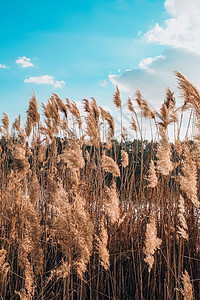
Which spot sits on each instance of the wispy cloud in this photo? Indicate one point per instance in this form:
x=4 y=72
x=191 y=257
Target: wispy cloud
x=182 y=29
x=4 y=67
x=146 y=62
x=104 y=83
x=24 y=62
x=45 y=79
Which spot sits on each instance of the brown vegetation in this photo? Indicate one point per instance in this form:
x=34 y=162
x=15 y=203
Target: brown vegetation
x=86 y=217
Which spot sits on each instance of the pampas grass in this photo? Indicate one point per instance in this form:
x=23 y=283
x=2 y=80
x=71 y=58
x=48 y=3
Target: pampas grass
x=152 y=177
x=152 y=242
x=188 y=181
x=110 y=166
x=187 y=291
x=86 y=216
x=125 y=159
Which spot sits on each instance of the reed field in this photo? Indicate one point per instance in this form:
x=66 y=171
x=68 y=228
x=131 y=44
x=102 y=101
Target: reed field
x=86 y=215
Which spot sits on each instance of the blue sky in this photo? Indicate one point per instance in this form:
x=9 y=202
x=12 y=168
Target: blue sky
x=78 y=42
x=80 y=49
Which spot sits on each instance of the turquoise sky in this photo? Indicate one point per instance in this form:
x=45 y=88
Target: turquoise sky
x=78 y=43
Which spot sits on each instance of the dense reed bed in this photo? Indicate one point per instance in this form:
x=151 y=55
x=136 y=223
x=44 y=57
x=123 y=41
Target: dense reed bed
x=87 y=216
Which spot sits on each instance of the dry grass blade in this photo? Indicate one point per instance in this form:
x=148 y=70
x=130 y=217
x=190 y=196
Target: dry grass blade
x=28 y=127
x=139 y=98
x=147 y=111
x=68 y=104
x=116 y=98
x=76 y=113
x=130 y=105
x=170 y=99
x=95 y=109
x=103 y=113
x=32 y=112
x=87 y=105
x=111 y=122
x=133 y=124
x=62 y=107
x=5 y=121
x=53 y=107
x=17 y=123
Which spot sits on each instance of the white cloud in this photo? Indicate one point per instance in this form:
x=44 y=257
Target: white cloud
x=45 y=79
x=157 y=75
x=182 y=29
x=145 y=62
x=3 y=67
x=104 y=83
x=24 y=62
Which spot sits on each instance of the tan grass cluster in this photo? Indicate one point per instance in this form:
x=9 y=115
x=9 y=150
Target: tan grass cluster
x=112 y=204
x=152 y=242
x=187 y=290
x=183 y=228
x=73 y=156
x=188 y=180
x=110 y=166
x=102 y=242
x=152 y=177
x=125 y=159
x=164 y=163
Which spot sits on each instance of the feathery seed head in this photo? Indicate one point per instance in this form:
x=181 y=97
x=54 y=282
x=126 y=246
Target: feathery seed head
x=32 y=112
x=130 y=105
x=187 y=290
x=152 y=177
x=116 y=98
x=5 y=126
x=152 y=243
x=124 y=158
x=110 y=166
